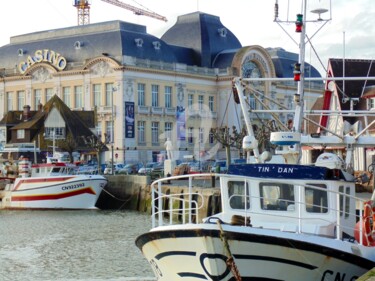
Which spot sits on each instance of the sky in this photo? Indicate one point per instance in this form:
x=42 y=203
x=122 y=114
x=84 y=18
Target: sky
x=349 y=34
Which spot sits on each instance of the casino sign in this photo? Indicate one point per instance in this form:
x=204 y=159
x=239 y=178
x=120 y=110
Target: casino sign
x=46 y=56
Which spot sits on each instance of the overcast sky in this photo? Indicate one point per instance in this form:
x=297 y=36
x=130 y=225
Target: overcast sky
x=350 y=33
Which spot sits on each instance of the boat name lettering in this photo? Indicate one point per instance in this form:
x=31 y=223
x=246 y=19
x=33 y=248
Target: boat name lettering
x=40 y=56
x=263 y=169
x=339 y=276
x=282 y=170
x=73 y=186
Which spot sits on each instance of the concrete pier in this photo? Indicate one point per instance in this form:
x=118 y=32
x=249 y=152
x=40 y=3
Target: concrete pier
x=369 y=276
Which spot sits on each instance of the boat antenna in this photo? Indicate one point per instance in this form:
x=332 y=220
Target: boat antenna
x=276 y=11
x=343 y=62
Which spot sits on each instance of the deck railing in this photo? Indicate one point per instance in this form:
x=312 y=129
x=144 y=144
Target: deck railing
x=184 y=207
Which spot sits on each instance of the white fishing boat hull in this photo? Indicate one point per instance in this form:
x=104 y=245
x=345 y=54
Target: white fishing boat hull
x=54 y=192
x=197 y=252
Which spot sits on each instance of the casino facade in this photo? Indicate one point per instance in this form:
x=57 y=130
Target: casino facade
x=145 y=89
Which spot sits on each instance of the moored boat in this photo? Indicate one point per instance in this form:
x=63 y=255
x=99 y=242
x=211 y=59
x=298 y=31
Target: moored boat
x=50 y=186
x=278 y=222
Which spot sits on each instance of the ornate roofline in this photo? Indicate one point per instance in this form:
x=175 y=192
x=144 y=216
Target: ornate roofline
x=96 y=60
x=35 y=67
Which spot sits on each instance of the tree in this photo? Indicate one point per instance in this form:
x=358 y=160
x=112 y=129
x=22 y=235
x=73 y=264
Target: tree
x=69 y=144
x=97 y=145
x=263 y=135
x=228 y=139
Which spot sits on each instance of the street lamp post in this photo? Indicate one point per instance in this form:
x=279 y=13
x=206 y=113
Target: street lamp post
x=113 y=132
x=199 y=154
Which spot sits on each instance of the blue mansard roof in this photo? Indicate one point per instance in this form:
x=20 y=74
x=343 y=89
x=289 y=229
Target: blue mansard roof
x=204 y=34
x=115 y=39
x=284 y=63
x=196 y=39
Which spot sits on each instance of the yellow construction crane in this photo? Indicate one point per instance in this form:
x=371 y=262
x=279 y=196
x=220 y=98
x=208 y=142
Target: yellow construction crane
x=83 y=9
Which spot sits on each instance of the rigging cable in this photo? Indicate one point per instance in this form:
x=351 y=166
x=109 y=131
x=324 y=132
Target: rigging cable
x=315 y=52
x=226 y=110
x=368 y=74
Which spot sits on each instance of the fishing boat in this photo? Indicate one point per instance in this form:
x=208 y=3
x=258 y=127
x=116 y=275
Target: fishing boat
x=294 y=221
x=50 y=186
x=277 y=222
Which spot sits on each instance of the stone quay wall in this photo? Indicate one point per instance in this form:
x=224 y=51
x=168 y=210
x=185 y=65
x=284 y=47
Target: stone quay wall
x=133 y=192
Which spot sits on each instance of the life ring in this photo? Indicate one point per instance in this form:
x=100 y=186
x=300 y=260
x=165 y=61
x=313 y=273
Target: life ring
x=368 y=225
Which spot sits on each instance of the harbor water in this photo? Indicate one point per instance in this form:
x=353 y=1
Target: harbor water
x=72 y=245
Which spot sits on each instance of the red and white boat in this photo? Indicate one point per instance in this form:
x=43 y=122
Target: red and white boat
x=50 y=186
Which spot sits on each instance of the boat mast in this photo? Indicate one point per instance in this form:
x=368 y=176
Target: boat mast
x=291 y=141
x=299 y=99
x=297 y=124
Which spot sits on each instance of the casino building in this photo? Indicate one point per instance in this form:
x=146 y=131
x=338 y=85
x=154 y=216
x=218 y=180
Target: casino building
x=145 y=89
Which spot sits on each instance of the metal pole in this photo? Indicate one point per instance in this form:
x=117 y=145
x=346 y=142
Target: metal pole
x=113 y=134
x=53 y=143
x=35 y=157
x=298 y=124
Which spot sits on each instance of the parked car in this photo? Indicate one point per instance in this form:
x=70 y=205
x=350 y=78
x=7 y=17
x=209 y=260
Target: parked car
x=117 y=168
x=87 y=170
x=181 y=169
x=131 y=169
x=195 y=167
x=148 y=168
x=157 y=171
x=220 y=166
x=239 y=161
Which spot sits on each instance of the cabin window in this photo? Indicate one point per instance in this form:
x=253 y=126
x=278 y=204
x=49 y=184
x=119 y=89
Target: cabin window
x=276 y=196
x=238 y=195
x=316 y=199
x=56 y=170
x=344 y=205
x=341 y=190
x=347 y=201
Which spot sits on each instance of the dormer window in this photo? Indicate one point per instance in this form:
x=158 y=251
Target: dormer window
x=223 y=32
x=21 y=52
x=157 y=45
x=21 y=134
x=78 y=45
x=138 y=42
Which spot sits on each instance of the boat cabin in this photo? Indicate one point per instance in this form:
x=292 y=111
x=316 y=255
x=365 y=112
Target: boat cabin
x=52 y=169
x=308 y=199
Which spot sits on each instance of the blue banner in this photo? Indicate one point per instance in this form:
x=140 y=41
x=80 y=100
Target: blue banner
x=129 y=119
x=181 y=129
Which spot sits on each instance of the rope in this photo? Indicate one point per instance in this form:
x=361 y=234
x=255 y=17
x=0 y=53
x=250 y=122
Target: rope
x=118 y=199
x=230 y=261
